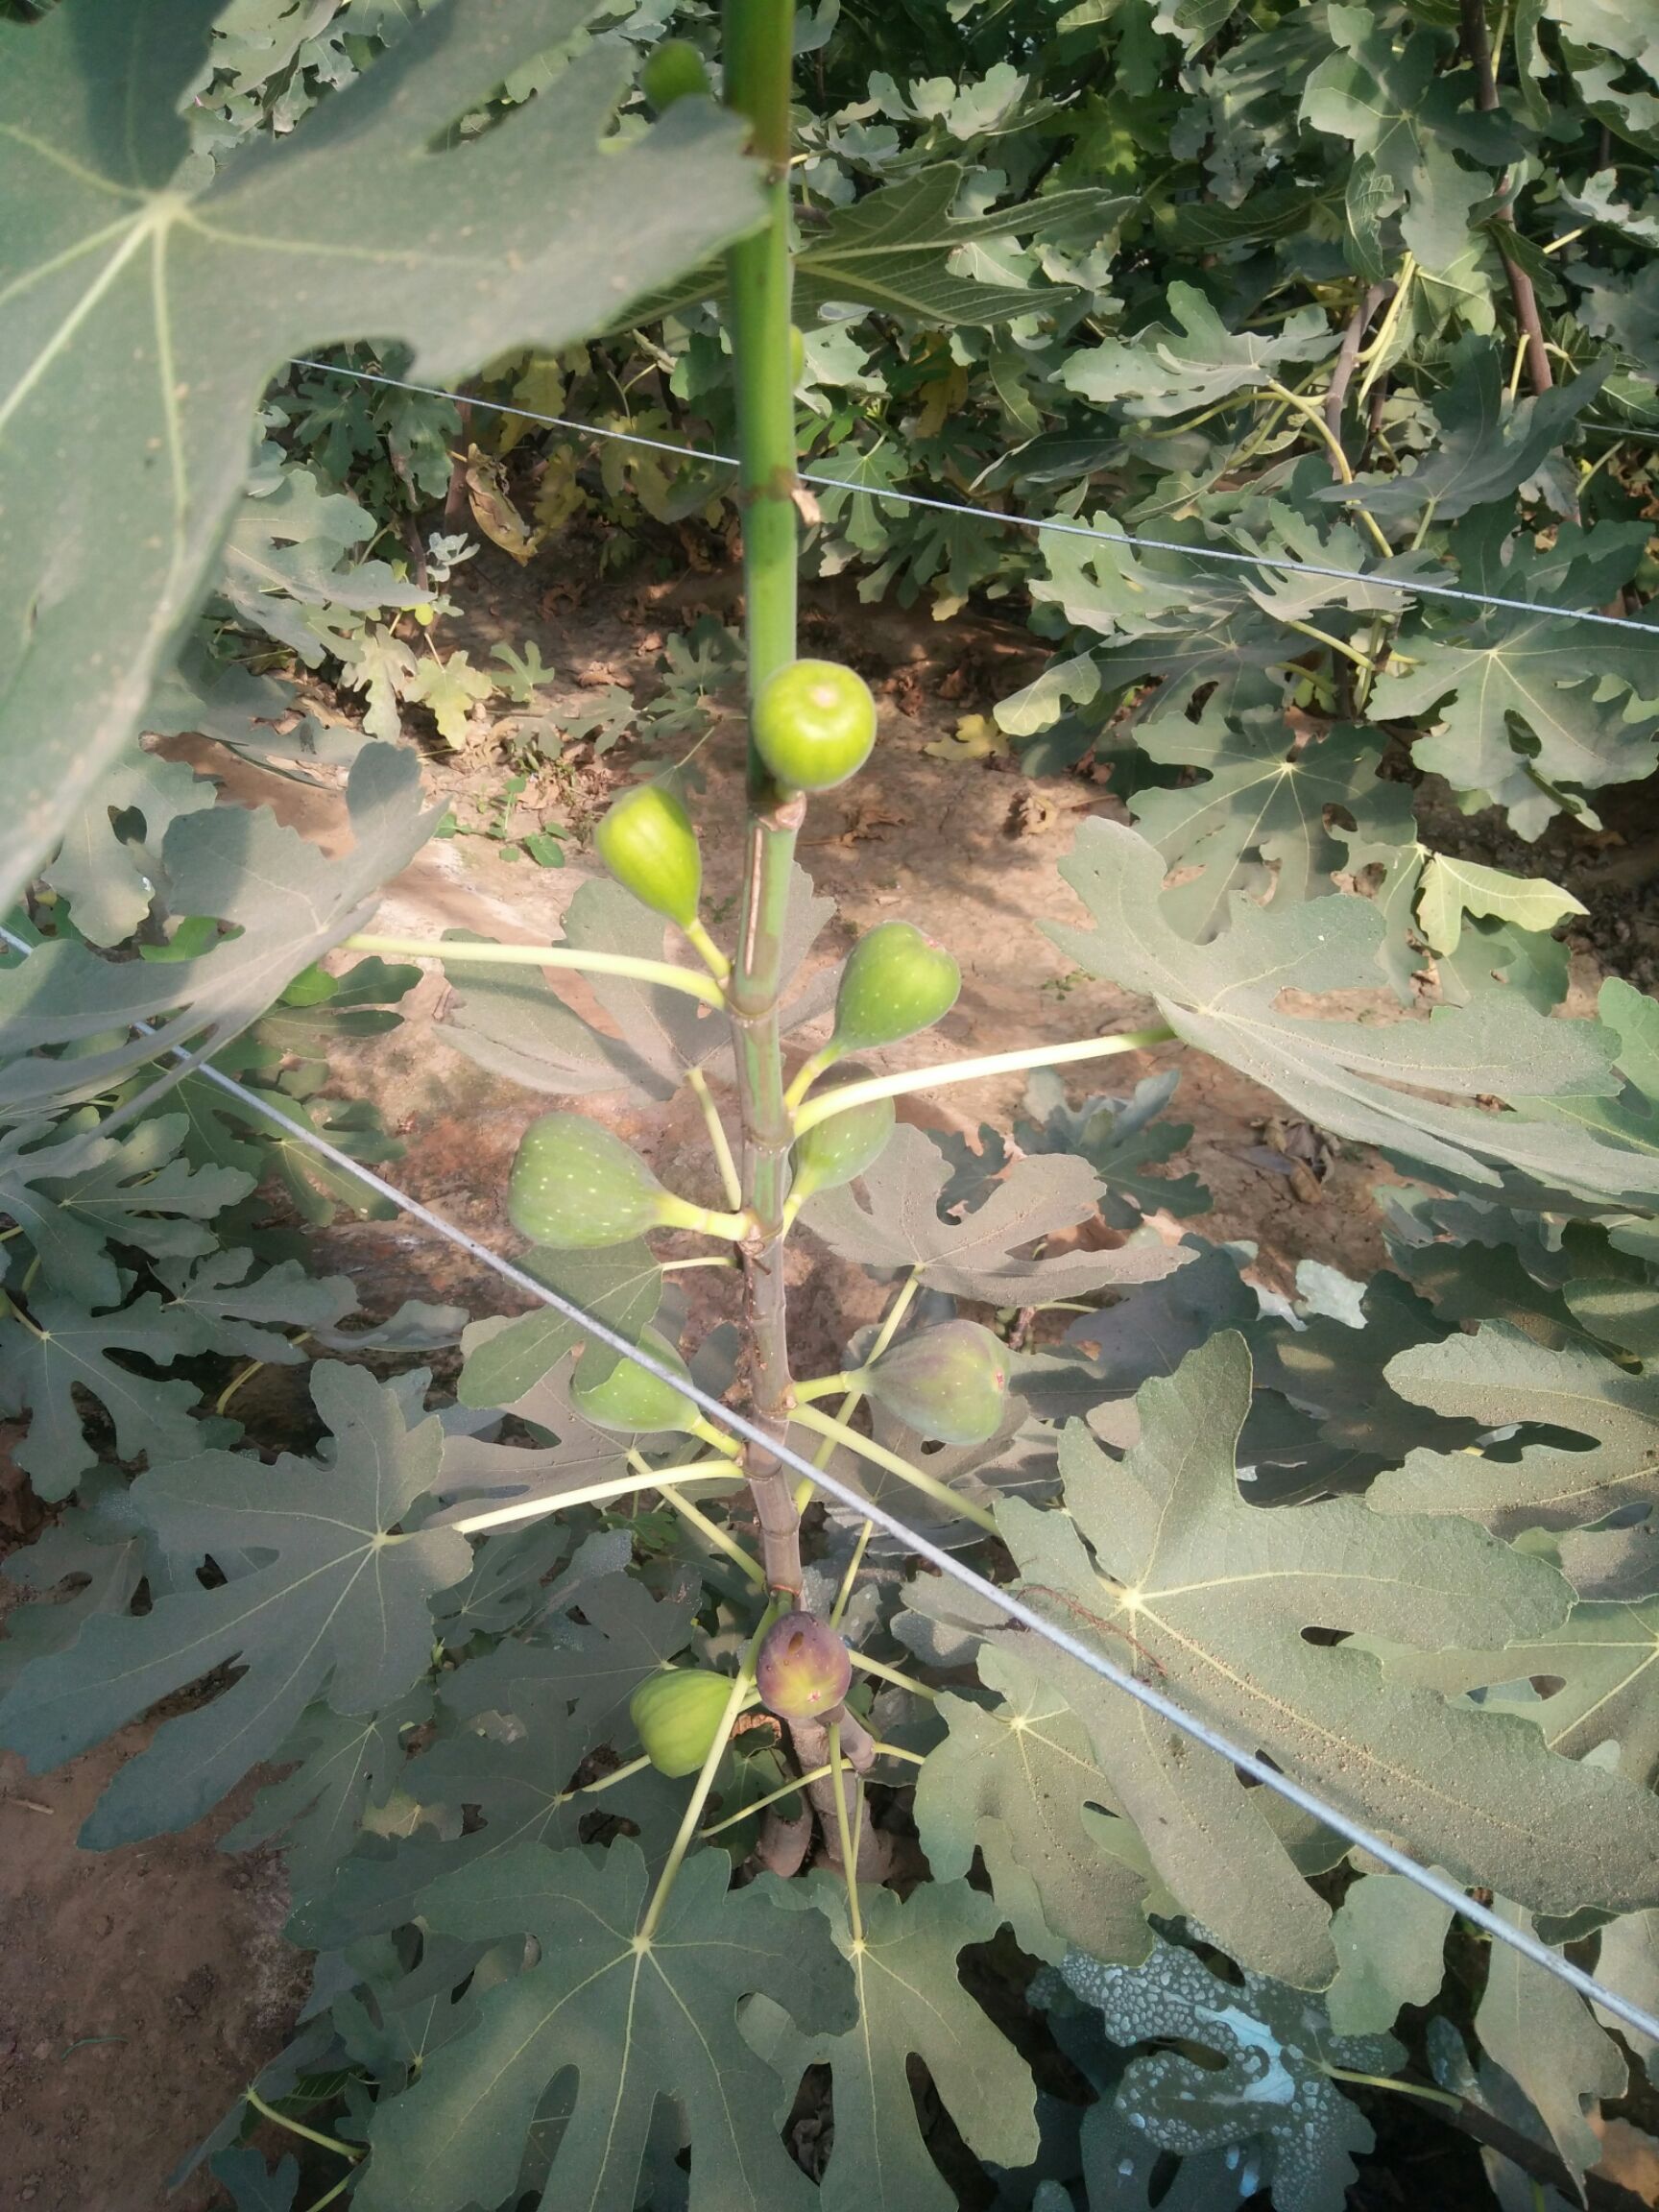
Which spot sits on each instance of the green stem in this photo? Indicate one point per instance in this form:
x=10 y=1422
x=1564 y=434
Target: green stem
x=707 y=950
x=716 y=1536
x=886 y=1674
x=788 y=1789
x=879 y=1456
x=824 y=1387
x=720 y=1470
x=808 y=1073
x=744 y=1681
x=1401 y=2088
x=758 y=45
x=843 y=1596
x=299 y=2126
x=660 y=972
x=850 y=1094
x=897 y=1751
x=849 y=1857
x=731 y=1182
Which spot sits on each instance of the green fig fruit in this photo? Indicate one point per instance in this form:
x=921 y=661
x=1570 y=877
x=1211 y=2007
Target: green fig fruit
x=674 y=71
x=840 y=1146
x=677 y=1716
x=814 y=724
x=803 y=1669
x=896 y=981
x=951 y=1382
x=647 y=842
x=630 y=1399
x=576 y=1186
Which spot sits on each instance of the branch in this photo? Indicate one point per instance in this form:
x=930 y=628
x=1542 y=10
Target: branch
x=1477 y=46
x=1348 y=355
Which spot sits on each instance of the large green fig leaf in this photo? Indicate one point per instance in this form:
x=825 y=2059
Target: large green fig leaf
x=1342 y=1074
x=61 y=1349
x=977 y=1256
x=637 y=2016
x=1501 y=1375
x=1272 y=2086
x=1018 y=1783
x=1160 y=1561
x=1165 y=371
x=1390 y=1938
x=1598 y=1669
x=1543 y=2036
x=911 y=2003
x=145 y=309
x=339 y=1609
x=286 y=901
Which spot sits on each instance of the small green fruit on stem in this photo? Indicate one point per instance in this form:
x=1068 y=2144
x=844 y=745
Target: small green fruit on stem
x=896 y=981
x=623 y=1396
x=677 y=1715
x=647 y=842
x=804 y=1670
x=813 y=723
x=576 y=1186
x=835 y=1151
x=674 y=71
x=951 y=1382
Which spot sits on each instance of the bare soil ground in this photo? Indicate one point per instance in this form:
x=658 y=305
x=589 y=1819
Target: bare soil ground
x=140 y=1989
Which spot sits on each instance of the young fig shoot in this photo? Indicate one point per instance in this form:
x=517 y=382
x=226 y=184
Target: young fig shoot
x=677 y=1715
x=896 y=981
x=804 y=1670
x=814 y=725
x=576 y=1186
x=951 y=1382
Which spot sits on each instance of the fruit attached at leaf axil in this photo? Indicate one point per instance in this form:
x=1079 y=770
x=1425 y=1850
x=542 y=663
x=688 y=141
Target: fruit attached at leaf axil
x=677 y=1715
x=814 y=724
x=896 y=981
x=576 y=1186
x=950 y=1382
x=804 y=1670
x=647 y=842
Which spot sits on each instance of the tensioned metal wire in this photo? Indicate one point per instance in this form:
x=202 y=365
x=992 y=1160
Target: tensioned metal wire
x=1247 y=1762
x=1278 y=563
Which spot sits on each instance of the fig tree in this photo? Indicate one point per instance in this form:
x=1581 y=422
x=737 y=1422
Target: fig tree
x=576 y=1186
x=803 y=1669
x=677 y=1716
x=814 y=723
x=950 y=1382
x=673 y=71
x=647 y=842
x=896 y=981
x=628 y=1398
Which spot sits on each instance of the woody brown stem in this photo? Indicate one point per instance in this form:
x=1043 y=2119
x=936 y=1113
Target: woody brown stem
x=1477 y=47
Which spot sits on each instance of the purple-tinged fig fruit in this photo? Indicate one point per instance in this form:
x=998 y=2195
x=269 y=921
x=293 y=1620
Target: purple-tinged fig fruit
x=951 y=1382
x=804 y=1670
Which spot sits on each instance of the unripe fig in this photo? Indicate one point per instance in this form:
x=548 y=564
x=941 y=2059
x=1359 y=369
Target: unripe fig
x=896 y=981
x=676 y=1716
x=814 y=723
x=842 y=1145
x=647 y=842
x=576 y=1186
x=631 y=1399
x=951 y=1382
x=804 y=1670
x=673 y=71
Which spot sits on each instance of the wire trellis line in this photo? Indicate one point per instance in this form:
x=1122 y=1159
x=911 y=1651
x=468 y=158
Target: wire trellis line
x=1280 y=564
x=1155 y=1701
